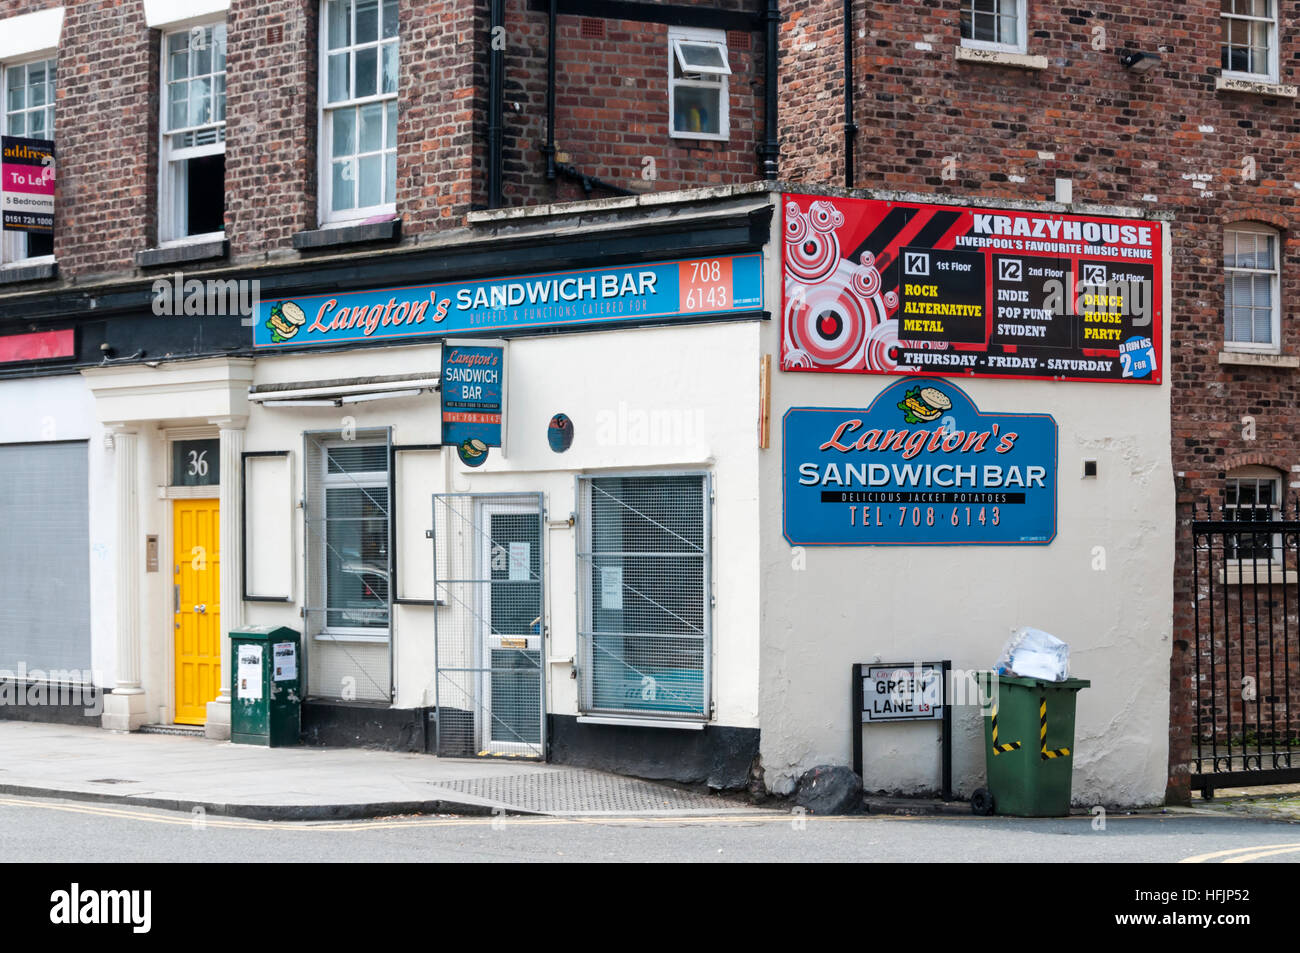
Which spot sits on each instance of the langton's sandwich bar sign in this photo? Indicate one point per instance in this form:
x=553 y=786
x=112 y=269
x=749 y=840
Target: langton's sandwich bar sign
x=877 y=287
x=921 y=466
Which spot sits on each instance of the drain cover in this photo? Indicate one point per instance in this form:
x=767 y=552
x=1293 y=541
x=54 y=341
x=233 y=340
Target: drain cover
x=111 y=781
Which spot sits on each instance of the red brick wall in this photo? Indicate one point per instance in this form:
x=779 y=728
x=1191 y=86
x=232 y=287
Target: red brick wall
x=612 y=110
x=105 y=133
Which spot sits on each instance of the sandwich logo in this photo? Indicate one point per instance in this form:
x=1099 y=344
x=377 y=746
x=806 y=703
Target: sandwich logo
x=102 y=907
x=473 y=452
x=285 y=322
x=922 y=405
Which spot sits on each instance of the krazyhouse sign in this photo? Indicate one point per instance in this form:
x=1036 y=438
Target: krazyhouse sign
x=921 y=466
x=876 y=287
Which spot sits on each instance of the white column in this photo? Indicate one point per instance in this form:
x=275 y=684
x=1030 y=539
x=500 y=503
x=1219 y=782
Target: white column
x=124 y=709
x=232 y=565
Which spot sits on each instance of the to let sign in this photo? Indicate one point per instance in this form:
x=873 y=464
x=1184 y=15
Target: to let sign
x=903 y=692
x=27 y=183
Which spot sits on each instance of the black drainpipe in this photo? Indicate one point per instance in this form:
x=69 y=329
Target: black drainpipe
x=496 y=101
x=772 y=144
x=850 y=127
x=549 y=149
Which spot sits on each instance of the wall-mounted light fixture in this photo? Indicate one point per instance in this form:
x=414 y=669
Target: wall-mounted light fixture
x=1138 y=61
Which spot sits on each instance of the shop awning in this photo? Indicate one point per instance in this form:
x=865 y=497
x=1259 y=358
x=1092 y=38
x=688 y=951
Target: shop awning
x=349 y=390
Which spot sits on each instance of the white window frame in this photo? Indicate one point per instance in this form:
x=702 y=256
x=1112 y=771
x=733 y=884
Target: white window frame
x=703 y=78
x=172 y=223
x=1271 y=76
x=324 y=137
x=13 y=245
x=1021 y=44
x=367 y=479
x=1256 y=475
x=1273 y=346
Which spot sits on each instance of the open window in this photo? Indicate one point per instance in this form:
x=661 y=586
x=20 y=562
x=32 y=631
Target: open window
x=698 y=93
x=192 y=179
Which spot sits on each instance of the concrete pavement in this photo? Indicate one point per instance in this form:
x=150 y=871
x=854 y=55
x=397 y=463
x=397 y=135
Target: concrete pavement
x=181 y=773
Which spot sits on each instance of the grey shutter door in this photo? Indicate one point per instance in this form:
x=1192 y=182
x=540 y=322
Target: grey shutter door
x=44 y=557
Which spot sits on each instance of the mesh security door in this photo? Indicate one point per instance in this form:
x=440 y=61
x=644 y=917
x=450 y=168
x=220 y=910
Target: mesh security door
x=488 y=574
x=644 y=595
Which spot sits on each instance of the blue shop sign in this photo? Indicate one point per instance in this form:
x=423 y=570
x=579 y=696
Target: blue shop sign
x=473 y=396
x=922 y=466
x=641 y=293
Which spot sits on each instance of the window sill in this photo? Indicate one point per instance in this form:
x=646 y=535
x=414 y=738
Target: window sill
x=1258 y=359
x=640 y=722
x=184 y=252
x=336 y=236
x=1248 y=575
x=1026 y=61
x=1255 y=86
x=349 y=637
x=20 y=271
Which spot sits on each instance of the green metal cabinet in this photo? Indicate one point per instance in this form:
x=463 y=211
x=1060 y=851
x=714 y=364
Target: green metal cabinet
x=265 y=689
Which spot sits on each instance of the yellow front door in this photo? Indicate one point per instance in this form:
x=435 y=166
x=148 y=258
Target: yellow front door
x=197 y=601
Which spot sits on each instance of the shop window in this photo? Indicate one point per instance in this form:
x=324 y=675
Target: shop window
x=1249 y=47
x=994 y=25
x=28 y=95
x=1251 y=313
x=358 y=131
x=348 y=565
x=698 y=95
x=644 y=606
x=1253 y=495
x=192 y=179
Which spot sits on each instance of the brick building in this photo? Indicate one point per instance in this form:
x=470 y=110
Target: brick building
x=353 y=145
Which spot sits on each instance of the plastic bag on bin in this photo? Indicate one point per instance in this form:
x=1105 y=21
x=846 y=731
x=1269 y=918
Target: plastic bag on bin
x=1033 y=653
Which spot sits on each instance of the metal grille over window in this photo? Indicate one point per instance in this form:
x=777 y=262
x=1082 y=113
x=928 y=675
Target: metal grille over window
x=1253 y=501
x=488 y=639
x=349 y=566
x=644 y=621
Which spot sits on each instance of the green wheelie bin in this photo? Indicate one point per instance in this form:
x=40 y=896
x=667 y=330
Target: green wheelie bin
x=1028 y=746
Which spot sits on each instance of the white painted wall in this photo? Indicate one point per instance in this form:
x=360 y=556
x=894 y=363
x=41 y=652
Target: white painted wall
x=41 y=409
x=697 y=383
x=899 y=604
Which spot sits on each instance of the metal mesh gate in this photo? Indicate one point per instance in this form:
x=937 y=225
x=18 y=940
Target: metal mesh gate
x=488 y=633
x=1246 y=680
x=644 y=595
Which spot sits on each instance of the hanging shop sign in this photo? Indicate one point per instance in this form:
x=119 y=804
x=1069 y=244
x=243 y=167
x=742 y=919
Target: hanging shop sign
x=876 y=287
x=675 y=290
x=473 y=389
x=922 y=466
x=27 y=185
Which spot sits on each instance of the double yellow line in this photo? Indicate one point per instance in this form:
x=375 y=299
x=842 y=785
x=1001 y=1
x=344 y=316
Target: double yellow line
x=1244 y=855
